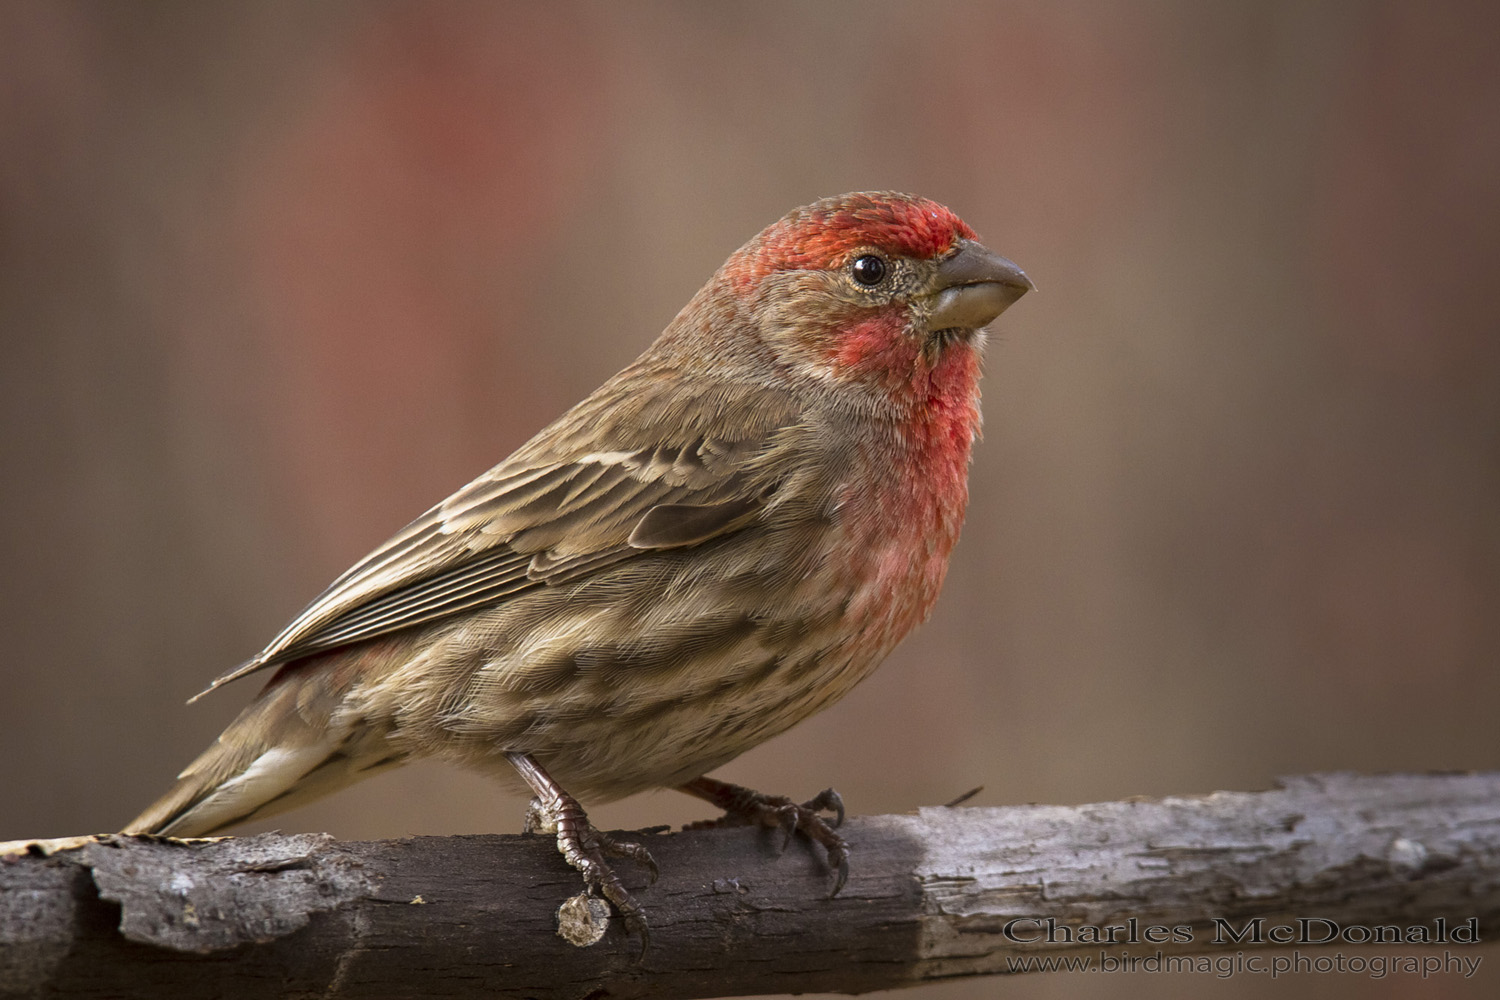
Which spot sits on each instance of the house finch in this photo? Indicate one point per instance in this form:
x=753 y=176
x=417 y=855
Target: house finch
x=722 y=540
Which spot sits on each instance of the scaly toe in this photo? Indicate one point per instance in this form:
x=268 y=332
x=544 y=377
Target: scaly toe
x=744 y=806
x=827 y=800
x=627 y=849
x=838 y=860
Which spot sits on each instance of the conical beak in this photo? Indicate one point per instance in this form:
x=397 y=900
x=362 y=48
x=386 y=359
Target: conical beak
x=973 y=286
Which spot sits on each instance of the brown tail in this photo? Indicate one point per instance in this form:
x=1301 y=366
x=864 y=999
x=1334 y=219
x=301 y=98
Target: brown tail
x=284 y=750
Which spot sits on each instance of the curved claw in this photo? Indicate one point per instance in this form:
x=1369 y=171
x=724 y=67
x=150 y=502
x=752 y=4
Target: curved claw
x=787 y=819
x=744 y=806
x=637 y=925
x=830 y=801
x=627 y=849
x=838 y=858
x=635 y=918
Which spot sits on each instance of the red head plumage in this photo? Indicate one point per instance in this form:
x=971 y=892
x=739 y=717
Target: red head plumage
x=820 y=235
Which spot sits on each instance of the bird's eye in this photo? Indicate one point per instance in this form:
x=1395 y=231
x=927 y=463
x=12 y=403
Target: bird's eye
x=869 y=270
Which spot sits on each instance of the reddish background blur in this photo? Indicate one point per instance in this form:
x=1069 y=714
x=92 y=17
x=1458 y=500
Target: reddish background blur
x=276 y=277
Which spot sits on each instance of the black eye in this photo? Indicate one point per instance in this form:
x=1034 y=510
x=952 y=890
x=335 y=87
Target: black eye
x=869 y=270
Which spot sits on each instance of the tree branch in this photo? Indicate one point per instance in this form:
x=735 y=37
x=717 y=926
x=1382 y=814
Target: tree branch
x=946 y=892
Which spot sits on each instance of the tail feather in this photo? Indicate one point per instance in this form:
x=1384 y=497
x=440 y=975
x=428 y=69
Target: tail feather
x=287 y=748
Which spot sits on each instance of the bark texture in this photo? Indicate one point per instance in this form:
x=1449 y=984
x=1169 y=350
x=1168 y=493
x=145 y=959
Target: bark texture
x=945 y=892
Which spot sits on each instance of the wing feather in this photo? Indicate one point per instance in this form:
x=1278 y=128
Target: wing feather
x=584 y=494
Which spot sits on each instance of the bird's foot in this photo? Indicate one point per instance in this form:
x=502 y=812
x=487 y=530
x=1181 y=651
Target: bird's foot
x=585 y=847
x=747 y=807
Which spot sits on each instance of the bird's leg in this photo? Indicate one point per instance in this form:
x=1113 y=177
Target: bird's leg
x=582 y=845
x=745 y=806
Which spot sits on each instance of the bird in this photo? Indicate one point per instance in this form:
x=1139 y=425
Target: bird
x=720 y=541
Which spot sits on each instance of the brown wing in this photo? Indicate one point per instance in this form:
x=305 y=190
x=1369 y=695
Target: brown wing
x=596 y=487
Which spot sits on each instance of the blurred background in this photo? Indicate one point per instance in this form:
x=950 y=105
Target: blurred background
x=276 y=277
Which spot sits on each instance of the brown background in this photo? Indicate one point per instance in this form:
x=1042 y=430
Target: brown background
x=277 y=277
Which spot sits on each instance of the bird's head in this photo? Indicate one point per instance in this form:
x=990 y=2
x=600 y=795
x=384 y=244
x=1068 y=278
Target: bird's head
x=875 y=291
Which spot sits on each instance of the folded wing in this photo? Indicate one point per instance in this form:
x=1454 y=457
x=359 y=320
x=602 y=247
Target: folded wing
x=551 y=513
